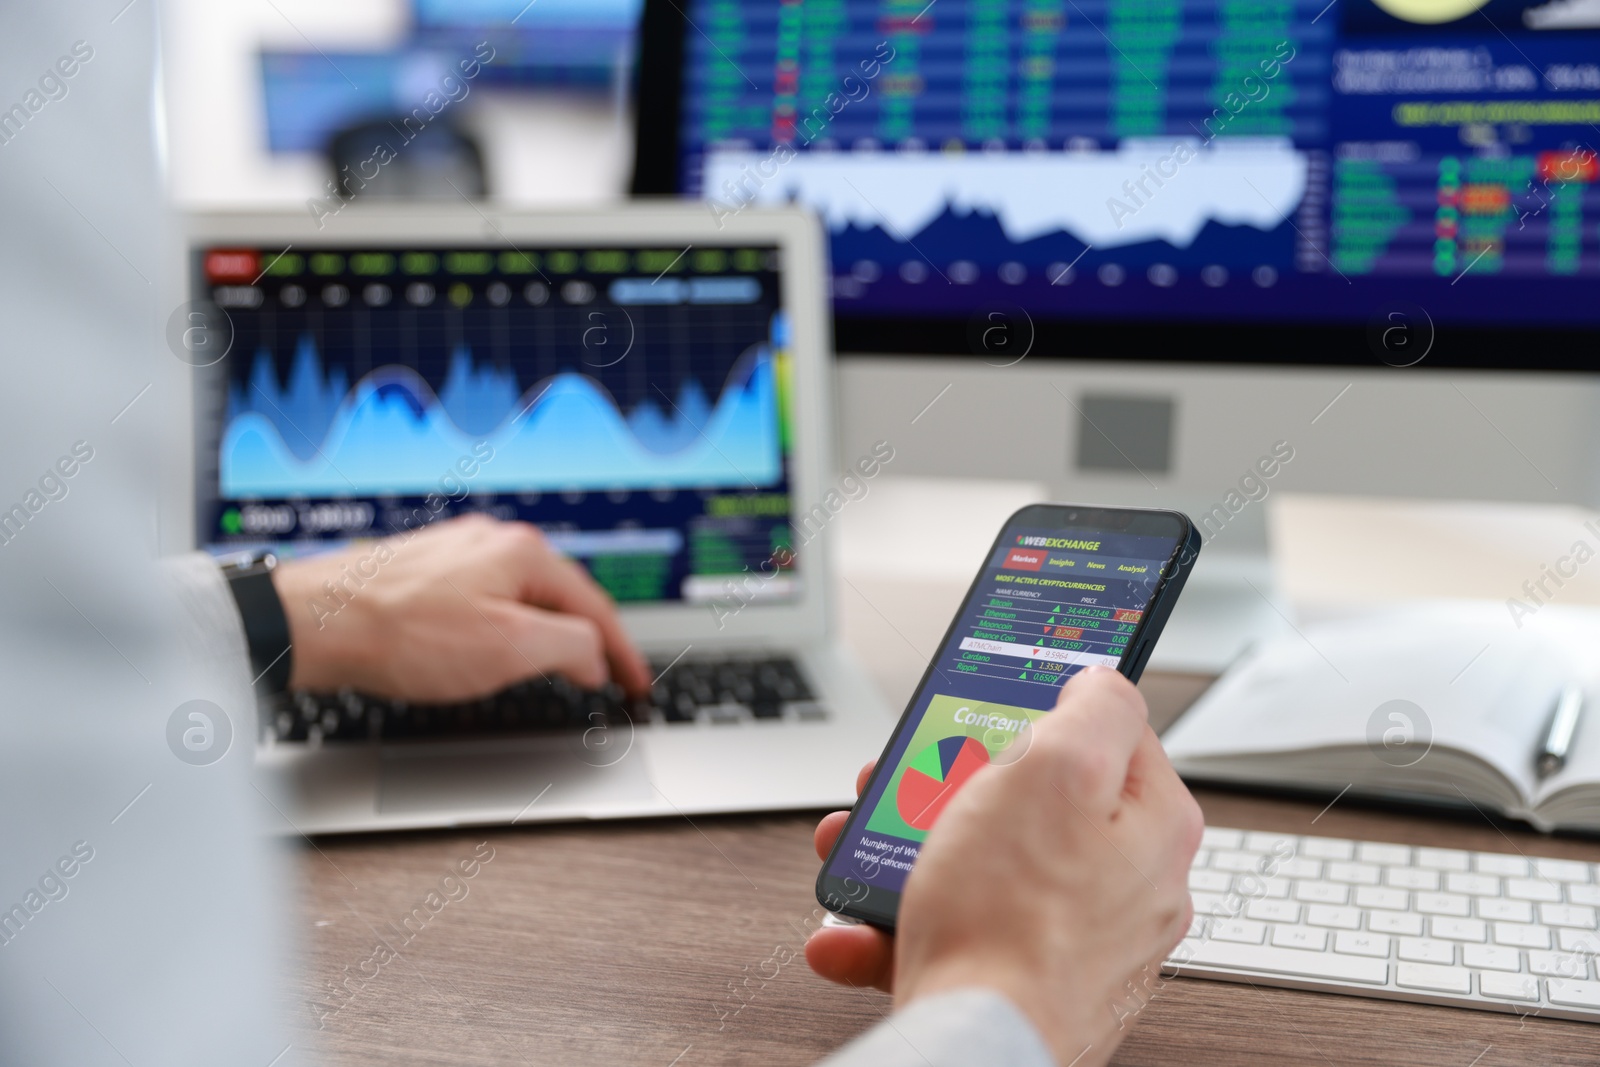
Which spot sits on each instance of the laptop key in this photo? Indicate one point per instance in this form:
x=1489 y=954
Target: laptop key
x=723 y=714
x=721 y=691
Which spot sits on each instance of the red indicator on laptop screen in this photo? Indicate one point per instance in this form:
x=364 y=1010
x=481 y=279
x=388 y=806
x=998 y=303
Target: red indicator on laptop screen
x=231 y=265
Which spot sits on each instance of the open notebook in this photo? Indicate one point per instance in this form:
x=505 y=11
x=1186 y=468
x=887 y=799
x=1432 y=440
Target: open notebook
x=1441 y=702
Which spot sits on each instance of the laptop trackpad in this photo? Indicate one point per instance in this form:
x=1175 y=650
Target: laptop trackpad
x=508 y=775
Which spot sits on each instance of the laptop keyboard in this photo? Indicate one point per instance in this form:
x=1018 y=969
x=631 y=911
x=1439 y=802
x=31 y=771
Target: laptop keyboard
x=720 y=692
x=1476 y=929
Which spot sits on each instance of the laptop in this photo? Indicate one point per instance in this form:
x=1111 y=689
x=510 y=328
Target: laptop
x=355 y=356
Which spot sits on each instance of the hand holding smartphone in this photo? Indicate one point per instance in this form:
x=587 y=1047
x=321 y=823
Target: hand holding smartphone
x=1063 y=587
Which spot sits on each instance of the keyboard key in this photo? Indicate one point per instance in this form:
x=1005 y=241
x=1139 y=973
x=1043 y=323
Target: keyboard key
x=1300 y=868
x=1202 y=858
x=1305 y=937
x=1491 y=957
x=1459 y=929
x=1373 y=852
x=1411 y=878
x=724 y=714
x=1443 y=904
x=1516 y=911
x=1521 y=935
x=1427 y=950
x=1395 y=922
x=1326 y=848
x=1212 y=904
x=1561 y=870
x=1443 y=859
x=1216 y=837
x=1584 y=894
x=1498 y=863
x=1329 y=915
x=1508 y=986
x=1578 y=941
x=1438 y=979
x=1478 y=885
x=1330 y=966
x=1243 y=931
x=1377 y=897
x=1273 y=911
x=1274 y=888
x=1573 y=994
x=1354 y=873
x=1578 y=916
x=1322 y=892
x=1359 y=944
x=1235 y=861
x=1262 y=842
x=1210 y=881
x=1558 y=964
x=1532 y=889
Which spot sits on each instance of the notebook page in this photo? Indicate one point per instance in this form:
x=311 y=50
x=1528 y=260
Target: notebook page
x=1375 y=681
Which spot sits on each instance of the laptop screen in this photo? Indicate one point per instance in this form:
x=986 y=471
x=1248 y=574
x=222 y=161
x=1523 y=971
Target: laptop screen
x=631 y=402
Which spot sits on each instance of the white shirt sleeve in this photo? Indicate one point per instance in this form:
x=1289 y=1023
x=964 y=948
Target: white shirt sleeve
x=211 y=628
x=956 y=1029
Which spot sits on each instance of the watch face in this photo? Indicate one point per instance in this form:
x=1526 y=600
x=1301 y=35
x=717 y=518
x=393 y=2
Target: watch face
x=246 y=562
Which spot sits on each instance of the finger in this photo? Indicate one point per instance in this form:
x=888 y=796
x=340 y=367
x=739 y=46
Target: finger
x=1154 y=785
x=540 y=643
x=853 y=955
x=551 y=580
x=1091 y=736
x=831 y=826
x=828 y=831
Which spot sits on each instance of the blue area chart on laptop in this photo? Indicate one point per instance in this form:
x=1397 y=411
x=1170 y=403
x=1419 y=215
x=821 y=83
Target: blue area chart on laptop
x=391 y=433
x=634 y=403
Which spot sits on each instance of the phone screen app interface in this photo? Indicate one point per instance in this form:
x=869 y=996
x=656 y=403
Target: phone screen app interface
x=1049 y=603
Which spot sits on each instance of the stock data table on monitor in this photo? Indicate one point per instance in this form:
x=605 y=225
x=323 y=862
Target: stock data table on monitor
x=668 y=941
x=1148 y=164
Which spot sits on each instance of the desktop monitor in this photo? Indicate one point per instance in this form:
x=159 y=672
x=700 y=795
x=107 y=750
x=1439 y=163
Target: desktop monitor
x=1235 y=220
x=1129 y=173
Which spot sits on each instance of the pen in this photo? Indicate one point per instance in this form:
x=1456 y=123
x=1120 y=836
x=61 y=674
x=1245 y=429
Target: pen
x=1552 y=753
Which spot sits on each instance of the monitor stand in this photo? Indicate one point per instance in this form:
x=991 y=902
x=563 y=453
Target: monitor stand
x=1213 y=441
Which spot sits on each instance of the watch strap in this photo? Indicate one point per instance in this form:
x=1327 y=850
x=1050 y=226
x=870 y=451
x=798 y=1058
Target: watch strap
x=266 y=627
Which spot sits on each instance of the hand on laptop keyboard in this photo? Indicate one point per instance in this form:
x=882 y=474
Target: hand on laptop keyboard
x=458 y=610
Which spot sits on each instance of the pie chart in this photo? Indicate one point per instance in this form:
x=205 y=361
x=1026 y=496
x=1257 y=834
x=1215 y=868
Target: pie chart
x=934 y=775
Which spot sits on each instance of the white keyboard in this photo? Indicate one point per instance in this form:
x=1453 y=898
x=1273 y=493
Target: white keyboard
x=1475 y=929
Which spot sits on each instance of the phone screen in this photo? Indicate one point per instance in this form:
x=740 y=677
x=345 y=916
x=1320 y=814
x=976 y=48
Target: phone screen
x=1063 y=588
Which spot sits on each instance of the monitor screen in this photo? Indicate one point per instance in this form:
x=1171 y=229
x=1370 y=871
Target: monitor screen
x=629 y=401
x=572 y=42
x=1133 y=169
x=309 y=97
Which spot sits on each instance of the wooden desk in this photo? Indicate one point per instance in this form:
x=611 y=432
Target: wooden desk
x=661 y=943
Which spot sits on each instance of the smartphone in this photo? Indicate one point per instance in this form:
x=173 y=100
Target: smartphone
x=1063 y=587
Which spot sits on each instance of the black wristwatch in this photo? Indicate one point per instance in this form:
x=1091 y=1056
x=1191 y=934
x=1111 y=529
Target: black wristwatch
x=266 y=627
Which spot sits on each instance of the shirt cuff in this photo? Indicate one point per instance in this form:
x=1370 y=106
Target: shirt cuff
x=954 y=1029
x=212 y=631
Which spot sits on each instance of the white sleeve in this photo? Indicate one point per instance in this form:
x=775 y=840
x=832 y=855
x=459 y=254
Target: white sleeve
x=954 y=1029
x=211 y=628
